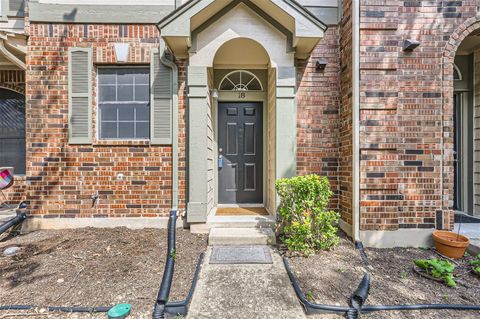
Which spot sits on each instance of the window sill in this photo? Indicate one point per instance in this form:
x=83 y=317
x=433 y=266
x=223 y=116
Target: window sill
x=122 y=143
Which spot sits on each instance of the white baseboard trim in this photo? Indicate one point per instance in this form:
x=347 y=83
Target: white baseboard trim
x=32 y=224
x=413 y=237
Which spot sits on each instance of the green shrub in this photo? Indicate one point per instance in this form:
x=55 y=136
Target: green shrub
x=304 y=220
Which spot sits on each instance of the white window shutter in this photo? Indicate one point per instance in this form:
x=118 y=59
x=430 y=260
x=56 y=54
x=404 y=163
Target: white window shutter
x=80 y=96
x=161 y=101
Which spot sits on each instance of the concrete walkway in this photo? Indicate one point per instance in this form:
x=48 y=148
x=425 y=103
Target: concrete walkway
x=244 y=291
x=472 y=231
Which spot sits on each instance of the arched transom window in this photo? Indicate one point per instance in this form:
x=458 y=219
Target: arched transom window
x=457 y=74
x=240 y=80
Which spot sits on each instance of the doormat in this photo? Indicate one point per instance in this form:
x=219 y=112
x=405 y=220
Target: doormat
x=241 y=255
x=241 y=211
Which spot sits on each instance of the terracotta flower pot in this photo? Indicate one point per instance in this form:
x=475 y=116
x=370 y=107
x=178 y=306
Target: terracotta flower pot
x=450 y=244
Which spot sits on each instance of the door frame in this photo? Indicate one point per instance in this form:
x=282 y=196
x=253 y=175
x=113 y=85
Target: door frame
x=234 y=97
x=464 y=148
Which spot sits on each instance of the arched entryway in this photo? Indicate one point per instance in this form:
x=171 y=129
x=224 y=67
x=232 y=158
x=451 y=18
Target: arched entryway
x=12 y=130
x=244 y=140
x=462 y=111
x=260 y=38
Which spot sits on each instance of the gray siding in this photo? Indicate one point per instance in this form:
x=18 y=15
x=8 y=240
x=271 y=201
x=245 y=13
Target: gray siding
x=328 y=11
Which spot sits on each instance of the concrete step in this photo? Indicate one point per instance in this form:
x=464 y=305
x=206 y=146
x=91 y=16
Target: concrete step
x=241 y=222
x=241 y=236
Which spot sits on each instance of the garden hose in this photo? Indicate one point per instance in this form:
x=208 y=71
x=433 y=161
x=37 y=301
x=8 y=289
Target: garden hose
x=61 y=309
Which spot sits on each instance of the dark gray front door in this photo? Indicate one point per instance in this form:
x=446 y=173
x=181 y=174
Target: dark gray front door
x=240 y=148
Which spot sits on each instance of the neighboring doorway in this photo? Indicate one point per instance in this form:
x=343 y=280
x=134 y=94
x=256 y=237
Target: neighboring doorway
x=240 y=153
x=12 y=131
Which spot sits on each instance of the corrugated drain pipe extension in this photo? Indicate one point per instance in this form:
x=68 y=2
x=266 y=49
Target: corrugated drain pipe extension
x=359 y=297
x=12 y=222
x=164 y=292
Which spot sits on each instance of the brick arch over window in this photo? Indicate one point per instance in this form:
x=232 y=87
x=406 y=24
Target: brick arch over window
x=451 y=48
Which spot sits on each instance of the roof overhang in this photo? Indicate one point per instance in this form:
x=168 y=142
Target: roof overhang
x=13 y=49
x=302 y=28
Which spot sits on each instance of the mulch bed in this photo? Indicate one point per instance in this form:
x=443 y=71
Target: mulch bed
x=94 y=267
x=331 y=277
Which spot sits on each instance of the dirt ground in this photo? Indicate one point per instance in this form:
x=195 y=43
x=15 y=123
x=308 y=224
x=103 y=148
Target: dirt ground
x=331 y=277
x=94 y=267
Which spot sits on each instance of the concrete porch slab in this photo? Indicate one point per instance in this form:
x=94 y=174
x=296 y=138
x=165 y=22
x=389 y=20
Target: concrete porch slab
x=472 y=231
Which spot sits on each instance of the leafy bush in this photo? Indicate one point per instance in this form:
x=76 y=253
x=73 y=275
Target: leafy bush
x=438 y=268
x=304 y=220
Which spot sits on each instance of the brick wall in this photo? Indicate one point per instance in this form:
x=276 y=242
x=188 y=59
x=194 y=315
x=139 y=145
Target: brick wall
x=406 y=110
x=317 y=113
x=63 y=177
x=345 y=119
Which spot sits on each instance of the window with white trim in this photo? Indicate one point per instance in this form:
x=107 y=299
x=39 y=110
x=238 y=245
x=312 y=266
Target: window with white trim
x=124 y=103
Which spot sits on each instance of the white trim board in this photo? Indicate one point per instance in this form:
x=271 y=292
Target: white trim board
x=397 y=238
x=33 y=224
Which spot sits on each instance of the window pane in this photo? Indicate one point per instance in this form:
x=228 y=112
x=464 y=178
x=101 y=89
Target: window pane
x=12 y=131
x=108 y=112
x=126 y=130
x=143 y=113
x=108 y=130
x=125 y=76
x=125 y=93
x=106 y=76
x=143 y=130
x=126 y=113
x=107 y=93
x=142 y=93
x=142 y=77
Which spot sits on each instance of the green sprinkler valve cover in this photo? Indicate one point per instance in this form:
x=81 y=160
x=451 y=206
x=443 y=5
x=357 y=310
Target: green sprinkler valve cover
x=119 y=311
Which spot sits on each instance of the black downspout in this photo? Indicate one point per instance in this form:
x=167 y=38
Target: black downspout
x=164 y=292
x=12 y=222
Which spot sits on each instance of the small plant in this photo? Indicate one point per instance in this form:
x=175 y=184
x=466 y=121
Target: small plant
x=309 y=295
x=173 y=254
x=445 y=296
x=475 y=263
x=438 y=268
x=306 y=223
x=404 y=274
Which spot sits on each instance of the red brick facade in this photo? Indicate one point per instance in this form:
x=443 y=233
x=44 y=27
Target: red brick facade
x=406 y=119
x=62 y=178
x=407 y=111
x=317 y=113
